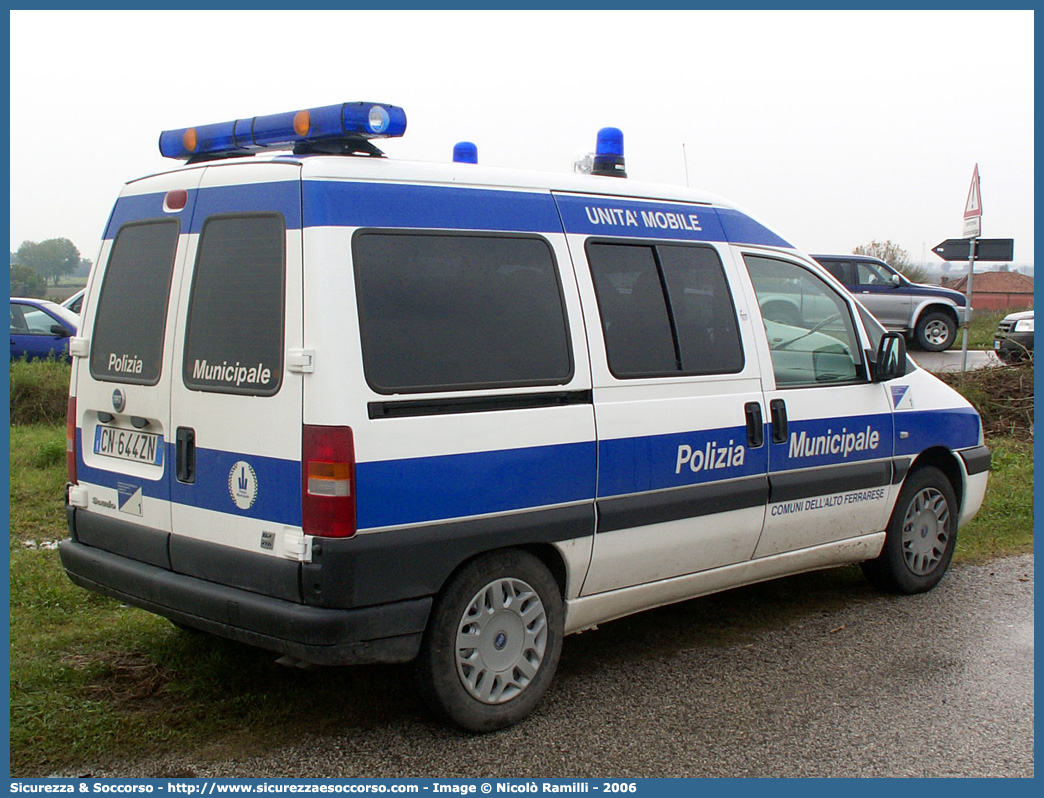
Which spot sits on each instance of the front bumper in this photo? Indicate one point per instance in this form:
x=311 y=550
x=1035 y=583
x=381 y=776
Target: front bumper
x=1013 y=346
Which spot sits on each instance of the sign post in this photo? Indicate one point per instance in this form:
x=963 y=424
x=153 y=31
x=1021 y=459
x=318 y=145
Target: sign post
x=972 y=230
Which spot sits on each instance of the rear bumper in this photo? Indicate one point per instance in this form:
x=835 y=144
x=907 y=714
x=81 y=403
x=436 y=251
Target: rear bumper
x=325 y=636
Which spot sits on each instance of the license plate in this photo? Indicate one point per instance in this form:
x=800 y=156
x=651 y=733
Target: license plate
x=129 y=444
x=996 y=344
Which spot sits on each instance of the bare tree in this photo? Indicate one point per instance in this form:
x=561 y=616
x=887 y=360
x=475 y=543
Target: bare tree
x=896 y=257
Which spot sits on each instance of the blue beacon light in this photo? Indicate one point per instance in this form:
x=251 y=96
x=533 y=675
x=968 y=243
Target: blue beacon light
x=465 y=152
x=343 y=128
x=609 y=157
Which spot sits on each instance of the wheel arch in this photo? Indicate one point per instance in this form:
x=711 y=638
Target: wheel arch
x=554 y=562
x=547 y=554
x=930 y=306
x=947 y=462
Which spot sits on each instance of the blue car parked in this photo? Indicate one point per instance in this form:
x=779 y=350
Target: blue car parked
x=40 y=328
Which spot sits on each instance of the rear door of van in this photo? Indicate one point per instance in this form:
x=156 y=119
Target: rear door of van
x=123 y=372
x=235 y=398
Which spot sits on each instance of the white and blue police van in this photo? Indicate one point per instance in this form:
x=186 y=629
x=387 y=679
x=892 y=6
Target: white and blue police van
x=355 y=410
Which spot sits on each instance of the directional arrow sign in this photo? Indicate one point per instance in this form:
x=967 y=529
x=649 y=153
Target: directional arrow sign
x=989 y=249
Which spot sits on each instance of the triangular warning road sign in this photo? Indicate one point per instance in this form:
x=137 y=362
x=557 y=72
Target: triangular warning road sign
x=974 y=205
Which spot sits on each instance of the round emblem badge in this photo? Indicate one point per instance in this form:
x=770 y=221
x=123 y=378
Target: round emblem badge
x=242 y=485
x=118 y=401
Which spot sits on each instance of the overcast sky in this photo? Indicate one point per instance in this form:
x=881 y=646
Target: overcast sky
x=834 y=128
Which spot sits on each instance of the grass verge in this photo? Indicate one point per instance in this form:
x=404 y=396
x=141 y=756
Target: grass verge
x=980 y=331
x=93 y=681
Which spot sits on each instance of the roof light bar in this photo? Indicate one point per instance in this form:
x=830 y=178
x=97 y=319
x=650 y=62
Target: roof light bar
x=332 y=123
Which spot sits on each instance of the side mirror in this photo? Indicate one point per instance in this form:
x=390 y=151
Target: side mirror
x=896 y=280
x=890 y=362
x=60 y=331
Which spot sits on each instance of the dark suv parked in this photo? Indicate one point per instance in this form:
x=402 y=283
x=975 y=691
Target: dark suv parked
x=928 y=314
x=1014 y=337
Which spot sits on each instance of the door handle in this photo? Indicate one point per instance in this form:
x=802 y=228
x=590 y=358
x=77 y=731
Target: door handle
x=755 y=425
x=778 y=409
x=185 y=455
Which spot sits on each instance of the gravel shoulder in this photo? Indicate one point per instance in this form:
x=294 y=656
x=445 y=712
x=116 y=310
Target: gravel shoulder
x=812 y=676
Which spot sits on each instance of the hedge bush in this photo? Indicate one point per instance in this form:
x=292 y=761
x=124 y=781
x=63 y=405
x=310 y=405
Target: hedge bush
x=39 y=391
x=1003 y=395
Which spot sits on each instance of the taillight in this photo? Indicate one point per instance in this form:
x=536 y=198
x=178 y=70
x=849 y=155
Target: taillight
x=328 y=481
x=70 y=439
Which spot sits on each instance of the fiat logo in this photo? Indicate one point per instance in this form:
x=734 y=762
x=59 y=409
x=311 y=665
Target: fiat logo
x=118 y=400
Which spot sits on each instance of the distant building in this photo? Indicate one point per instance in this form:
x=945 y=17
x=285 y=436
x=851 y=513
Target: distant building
x=996 y=290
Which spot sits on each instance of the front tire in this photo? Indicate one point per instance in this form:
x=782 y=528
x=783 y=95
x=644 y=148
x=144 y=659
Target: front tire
x=922 y=534
x=936 y=331
x=493 y=642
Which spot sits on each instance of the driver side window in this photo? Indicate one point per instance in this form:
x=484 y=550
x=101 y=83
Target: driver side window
x=810 y=331
x=872 y=274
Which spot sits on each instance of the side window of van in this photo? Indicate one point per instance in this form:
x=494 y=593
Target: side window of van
x=234 y=333
x=127 y=342
x=810 y=330
x=441 y=312
x=666 y=310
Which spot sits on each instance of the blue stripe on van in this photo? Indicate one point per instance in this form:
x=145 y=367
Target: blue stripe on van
x=821 y=442
x=356 y=204
x=658 y=462
x=281 y=197
x=953 y=428
x=613 y=216
x=278 y=483
x=278 y=486
x=398 y=492
x=419 y=490
x=741 y=229
x=142 y=206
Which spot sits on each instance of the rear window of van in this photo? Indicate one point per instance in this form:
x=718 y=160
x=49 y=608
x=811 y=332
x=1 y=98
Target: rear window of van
x=234 y=332
x=442 y=312
x=127 y=342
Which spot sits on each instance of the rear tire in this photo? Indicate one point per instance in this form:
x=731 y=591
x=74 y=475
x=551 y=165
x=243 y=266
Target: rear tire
x=922 y=534
x=936 y=331
x=492 y=643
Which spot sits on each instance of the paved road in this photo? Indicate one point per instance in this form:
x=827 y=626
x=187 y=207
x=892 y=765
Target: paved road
x=816 y=675
x=950 y=360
